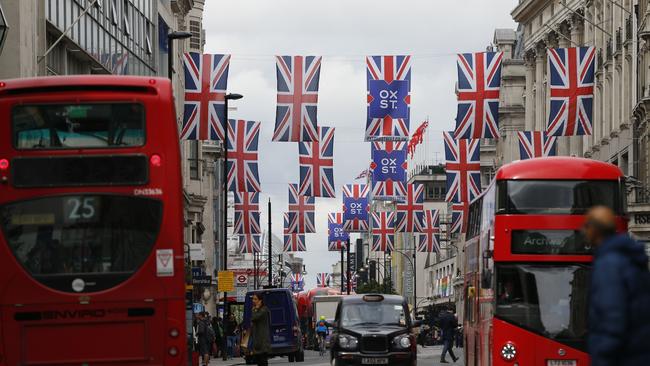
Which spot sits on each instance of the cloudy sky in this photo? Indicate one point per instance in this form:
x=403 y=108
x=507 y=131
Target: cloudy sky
x=343 y=32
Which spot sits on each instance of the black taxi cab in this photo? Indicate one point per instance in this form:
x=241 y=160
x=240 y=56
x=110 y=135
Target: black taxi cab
x=373 y=329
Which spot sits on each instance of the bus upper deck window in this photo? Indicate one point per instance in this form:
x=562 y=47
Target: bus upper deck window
x=75 y=126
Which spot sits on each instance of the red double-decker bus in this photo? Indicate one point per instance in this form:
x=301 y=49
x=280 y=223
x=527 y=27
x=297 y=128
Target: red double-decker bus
x=527 y=264
x=91 y=245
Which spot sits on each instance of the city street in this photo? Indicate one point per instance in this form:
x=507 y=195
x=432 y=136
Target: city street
x=426 y=356
x=190 y=176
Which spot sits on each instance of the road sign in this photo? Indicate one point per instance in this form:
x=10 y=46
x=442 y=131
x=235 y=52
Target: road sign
x=226 y=281
x=197 y=252
x=202 y=280
x=165 y=262
x=241 y=293
x=242 y=280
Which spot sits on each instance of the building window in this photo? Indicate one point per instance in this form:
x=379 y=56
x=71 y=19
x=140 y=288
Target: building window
x=195 y=29
x=114 y=12
x=127 y=22
x=194 y=160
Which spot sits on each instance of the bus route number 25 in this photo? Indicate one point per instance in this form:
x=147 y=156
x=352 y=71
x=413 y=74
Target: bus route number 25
x=80 y=209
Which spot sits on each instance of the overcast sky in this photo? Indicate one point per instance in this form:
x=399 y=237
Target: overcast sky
x=343 y=32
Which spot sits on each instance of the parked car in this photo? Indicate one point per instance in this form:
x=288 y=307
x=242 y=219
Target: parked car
x=373 y=329
x=286 y=337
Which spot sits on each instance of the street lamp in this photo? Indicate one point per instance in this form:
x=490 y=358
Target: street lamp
x=170 y=49
x=224 y=182
x=3 y=28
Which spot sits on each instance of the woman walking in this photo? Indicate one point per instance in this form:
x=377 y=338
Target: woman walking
x=260 y=333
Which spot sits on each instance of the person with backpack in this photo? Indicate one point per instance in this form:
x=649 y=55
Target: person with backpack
x=619 y=294
x=322 y=331
x=206 y=336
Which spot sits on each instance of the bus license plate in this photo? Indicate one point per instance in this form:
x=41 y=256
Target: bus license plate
x=561 y=363
x=374 y=361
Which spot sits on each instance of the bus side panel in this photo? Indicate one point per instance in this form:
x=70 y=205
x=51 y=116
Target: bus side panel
x=532 y=349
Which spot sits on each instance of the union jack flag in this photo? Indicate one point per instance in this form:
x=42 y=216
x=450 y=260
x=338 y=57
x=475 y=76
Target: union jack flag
x=383 y=231
x=411 y=211
x=337 y=237
x=463 y=168
x=250 y=243
x=322 y=279
x=458 y=217
x=353 y=280
x=247 y=214
x=317 y=165
x=430 y=229
x=479 y=81
x=204 y=111
x=294 y=242
x=571 y=80
x=243 y=138
x=388 y=169
x=355 y=208
x=536 y=144
x=295 y=118
x=302 y=208
x=389 y=97
x=297 y=282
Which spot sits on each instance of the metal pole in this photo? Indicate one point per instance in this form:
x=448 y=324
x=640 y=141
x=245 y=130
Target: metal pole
x=170 y=59
x=384 y=275
x=342 y=282
x=270 y=248
x=415 y=278
x=347 y=271
x=224 y=236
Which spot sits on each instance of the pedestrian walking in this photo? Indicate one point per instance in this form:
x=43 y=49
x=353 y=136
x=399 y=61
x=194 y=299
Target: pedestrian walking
x=218 y=337
x=260 y=332
x=448 y=324
x=205 y=335
x=619 y=294
x=231 y=335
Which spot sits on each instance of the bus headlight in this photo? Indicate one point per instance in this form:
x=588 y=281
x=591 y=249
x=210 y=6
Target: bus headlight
x=348 y=342
x=173 y=351
x=173 y=333
x=508 y=351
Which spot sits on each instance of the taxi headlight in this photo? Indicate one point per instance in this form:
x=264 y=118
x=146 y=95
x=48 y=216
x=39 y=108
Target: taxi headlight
x=348 y=342
x=403 y=341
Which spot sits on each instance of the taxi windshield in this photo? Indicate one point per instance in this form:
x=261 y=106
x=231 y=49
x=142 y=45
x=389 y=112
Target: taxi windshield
x=372 y=314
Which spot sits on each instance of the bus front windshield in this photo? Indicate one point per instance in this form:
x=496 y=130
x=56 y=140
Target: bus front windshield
x=557 y=197
x=550 y=300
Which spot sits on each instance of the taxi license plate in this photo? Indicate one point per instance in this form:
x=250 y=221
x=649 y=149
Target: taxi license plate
x=374 y=361
x=561 y=363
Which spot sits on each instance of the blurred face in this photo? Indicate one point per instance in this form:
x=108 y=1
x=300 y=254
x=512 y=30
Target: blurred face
x=591 y=234
x=257 y=302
